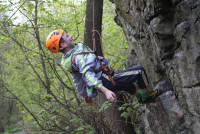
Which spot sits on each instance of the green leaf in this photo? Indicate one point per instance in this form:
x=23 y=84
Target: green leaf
x=105 y=106
x=126 y=104
x=125 y=114
x=48 y=96
x=41 y=112
x=54 y=117
x=80 y=129
x=67 y=127
x=137 y=105
x=129 y=109
x=121 y=108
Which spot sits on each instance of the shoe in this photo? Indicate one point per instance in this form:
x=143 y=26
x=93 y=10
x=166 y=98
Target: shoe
x=152 y=95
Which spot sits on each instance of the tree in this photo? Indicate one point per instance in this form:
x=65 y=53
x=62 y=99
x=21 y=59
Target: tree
x=39 y=77
x=34 y=77
x=117 y=123
x=93 y=24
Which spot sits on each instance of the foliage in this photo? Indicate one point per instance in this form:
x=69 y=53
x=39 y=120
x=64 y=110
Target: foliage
x=130 y=108
x=105 y=106
x=45 y=95
x=115 y=43
x=13 y=130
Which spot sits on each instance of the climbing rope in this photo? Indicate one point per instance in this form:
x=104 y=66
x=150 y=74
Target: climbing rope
x=12 y=15
x=94 y=49
x=93 y=35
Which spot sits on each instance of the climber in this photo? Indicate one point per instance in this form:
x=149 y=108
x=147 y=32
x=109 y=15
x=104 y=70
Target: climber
x=89 y=76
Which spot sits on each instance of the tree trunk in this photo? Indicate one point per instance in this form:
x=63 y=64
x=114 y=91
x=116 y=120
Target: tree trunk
x=98 y=11
x=116 y=122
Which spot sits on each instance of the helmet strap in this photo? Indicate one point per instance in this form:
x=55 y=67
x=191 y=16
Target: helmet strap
x=68 y=44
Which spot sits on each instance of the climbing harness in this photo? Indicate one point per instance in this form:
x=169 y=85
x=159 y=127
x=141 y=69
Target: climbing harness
x=107 y=70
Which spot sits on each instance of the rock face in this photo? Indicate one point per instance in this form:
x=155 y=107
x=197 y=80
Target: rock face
x=165 y=115
x=164 y=36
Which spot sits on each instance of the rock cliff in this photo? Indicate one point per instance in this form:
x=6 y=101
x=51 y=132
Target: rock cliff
x=164 y=36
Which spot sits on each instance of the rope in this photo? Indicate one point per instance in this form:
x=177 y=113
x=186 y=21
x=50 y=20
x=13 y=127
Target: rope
x=93 y=35
x=13 y=14
x=100 y=41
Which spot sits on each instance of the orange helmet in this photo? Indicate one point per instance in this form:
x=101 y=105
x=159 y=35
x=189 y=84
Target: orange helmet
x=53 y=40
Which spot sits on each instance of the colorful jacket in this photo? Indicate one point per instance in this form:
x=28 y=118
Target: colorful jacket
x=86 y=69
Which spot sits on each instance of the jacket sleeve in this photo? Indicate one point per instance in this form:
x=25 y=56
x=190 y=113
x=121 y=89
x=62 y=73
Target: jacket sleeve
x=86 y=65
x=79 y=83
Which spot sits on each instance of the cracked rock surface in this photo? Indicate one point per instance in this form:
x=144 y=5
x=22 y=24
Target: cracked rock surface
x=164 y=37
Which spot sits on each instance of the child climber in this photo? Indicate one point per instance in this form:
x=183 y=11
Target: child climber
x=89 y=76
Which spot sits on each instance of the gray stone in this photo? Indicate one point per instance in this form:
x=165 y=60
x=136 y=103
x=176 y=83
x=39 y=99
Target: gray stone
x=182 y=11
x=148 y=13
x=164 y=37
x=180 y=30
x=160 y=25
x=165 y=115
x=194 y=3
x=164 y=86
x=175 y=2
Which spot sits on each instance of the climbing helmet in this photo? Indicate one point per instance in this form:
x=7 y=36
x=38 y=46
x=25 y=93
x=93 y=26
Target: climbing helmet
x=52 y=42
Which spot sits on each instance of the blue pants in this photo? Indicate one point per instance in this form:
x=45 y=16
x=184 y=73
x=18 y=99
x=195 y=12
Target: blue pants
x=124 y=80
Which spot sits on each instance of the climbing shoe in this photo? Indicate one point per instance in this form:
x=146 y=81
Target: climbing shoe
x=152 y=95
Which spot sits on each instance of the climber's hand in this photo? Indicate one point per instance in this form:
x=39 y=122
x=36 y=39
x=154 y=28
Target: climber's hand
x=109 y=94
